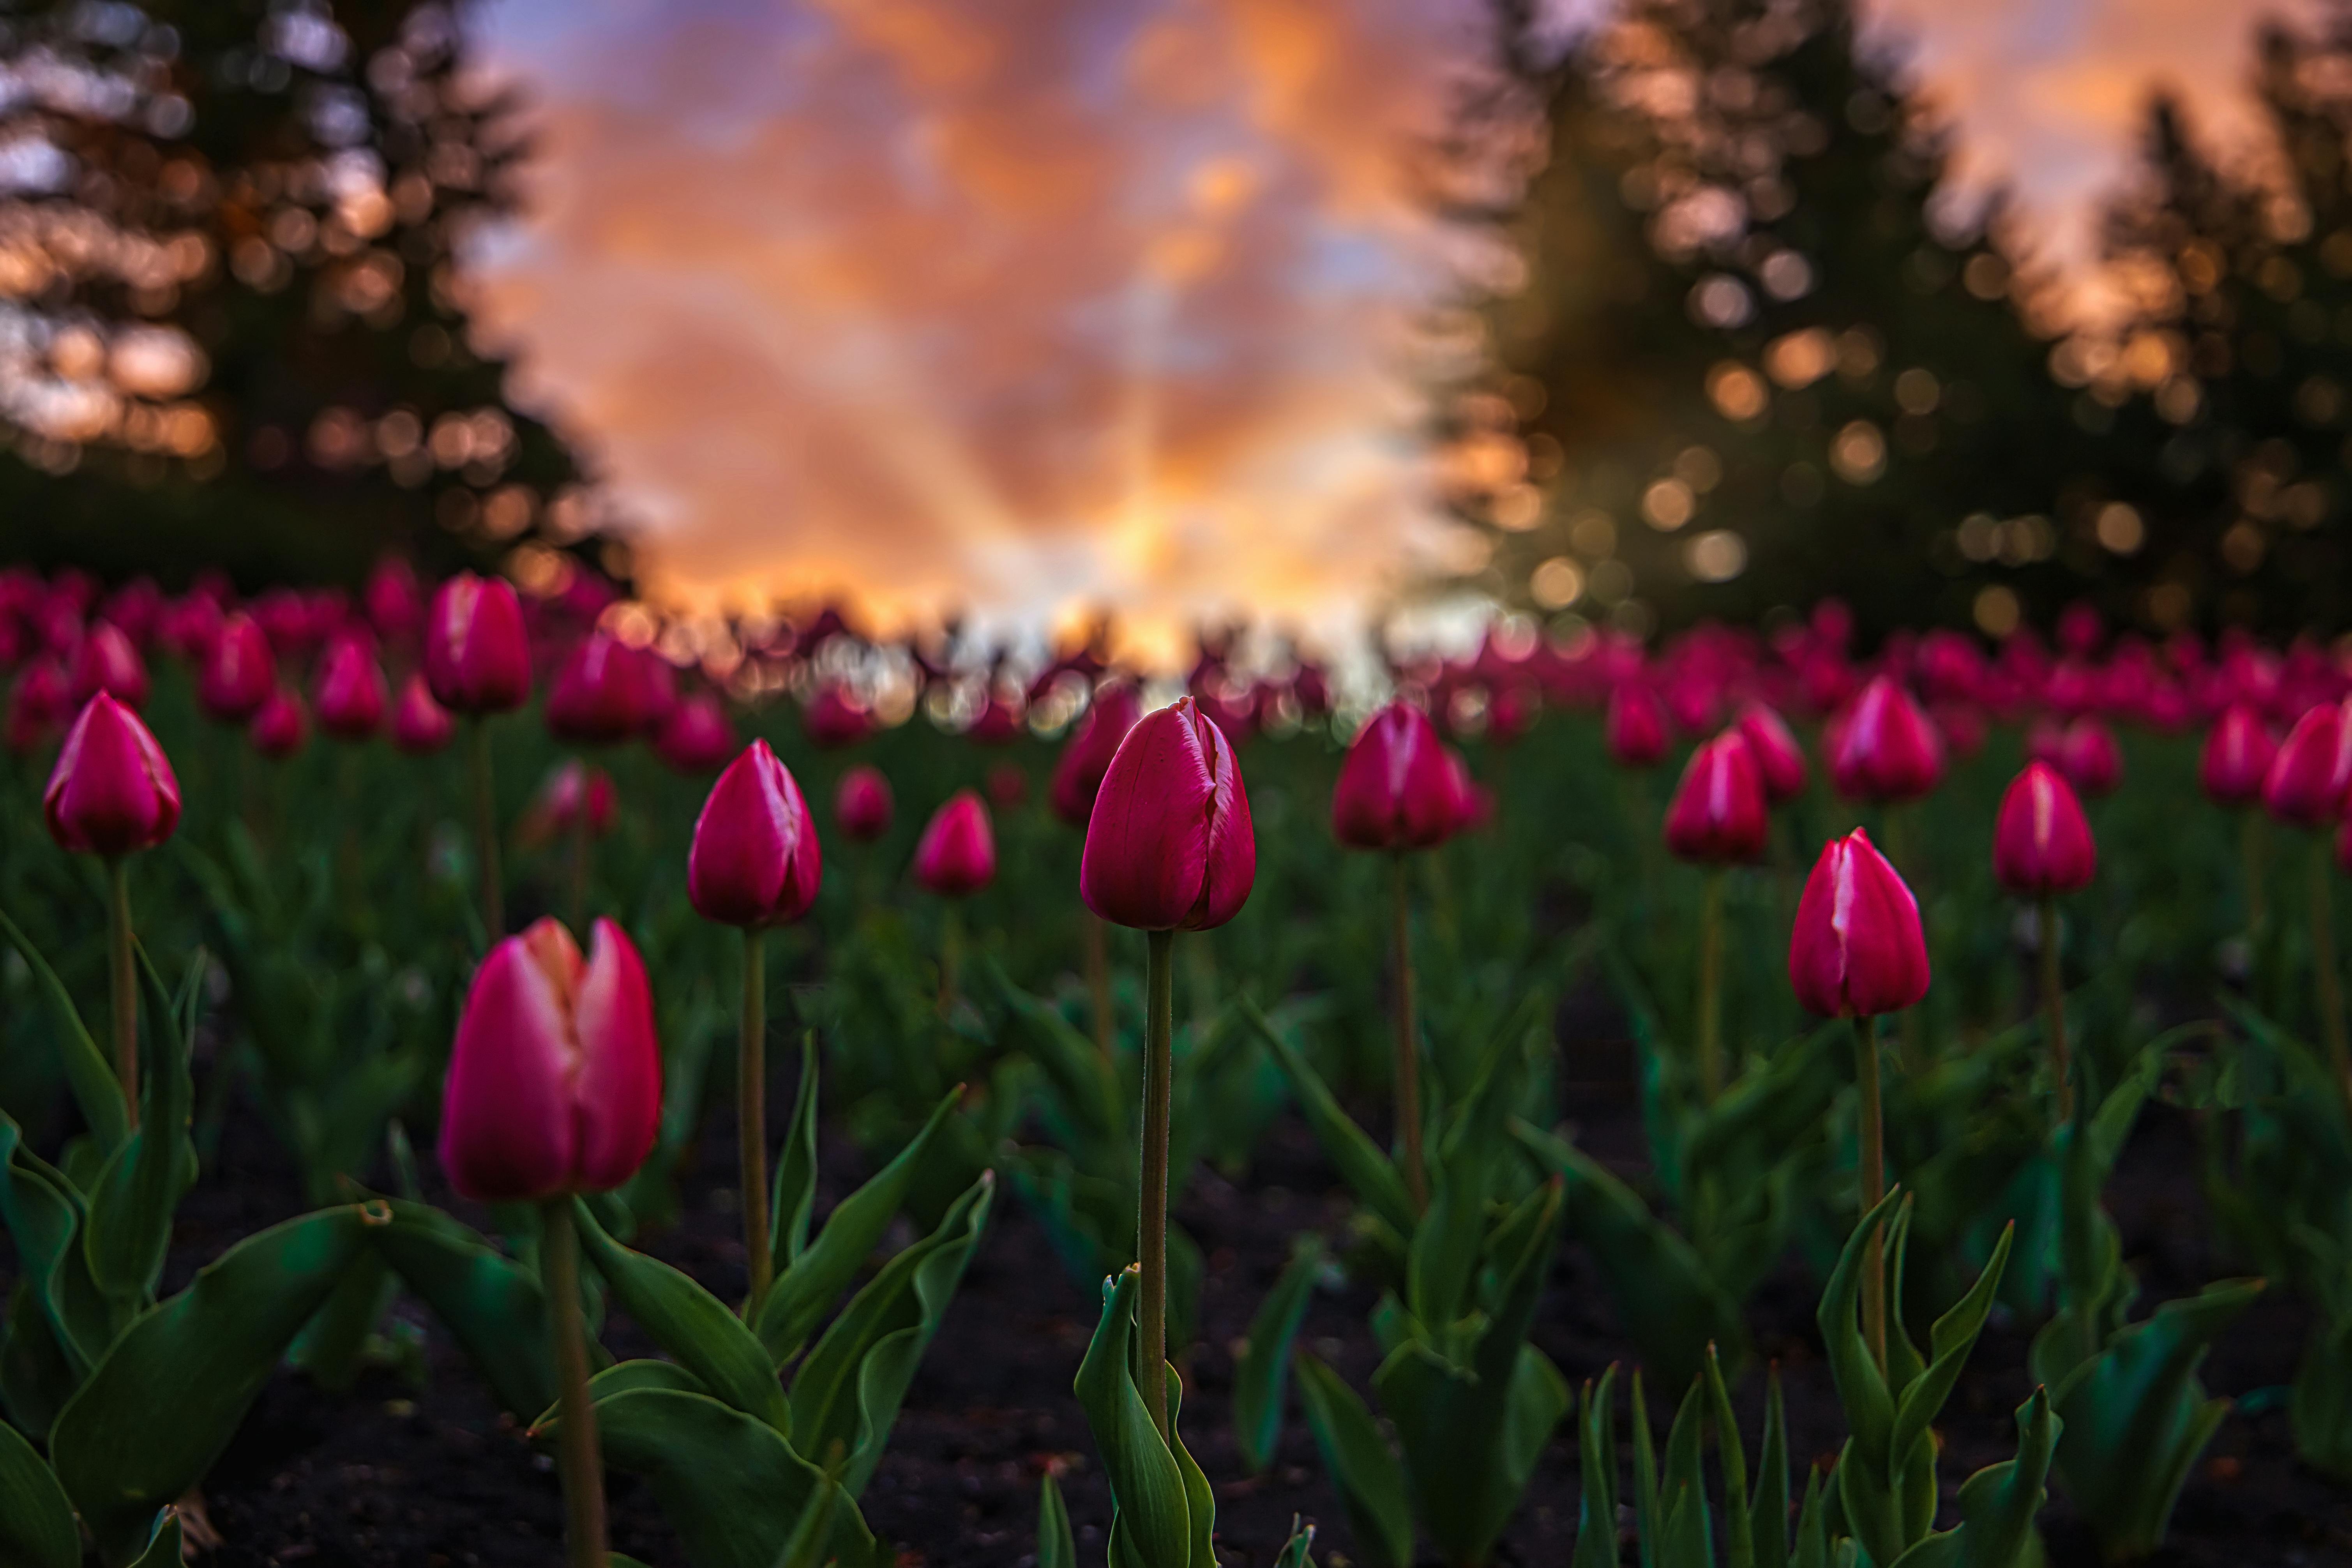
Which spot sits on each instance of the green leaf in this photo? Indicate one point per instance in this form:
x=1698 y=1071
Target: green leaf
x=1596 y=1508
x=166 y=1547
x=1954 y=1336
x=1085 y=1085
x=1259 y=1379
x=1364 y=1468
x=1153 y=1522
x=1298 y=1551
x=1371 y=1175
x=37 y=1522
x=846 y=1394
x=795 y=1201
x=96 y=1090
x=1738 y=1523
x=132 y=1201
x=43 y=1214
x=690 y=1323
x=812 y=1532
x=492 y=1303
x=1999 y=1502
x=158 y=1410
x=1767 y=1514
x=806 y=1291
x=1057 y=1547
x=1866 y=1481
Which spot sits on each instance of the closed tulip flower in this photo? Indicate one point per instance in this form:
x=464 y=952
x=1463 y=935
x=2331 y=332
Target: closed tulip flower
x=2307 y=776
x=349 y=690
x=393 y=598
x=2041 y=842
x=1856 y=950
x=957 y=854
x=279 y=730
x=601 y=696
x=1718 y=814
x=37 y=703
x=570 y=790
x=862 y=804
x=1779 y=761
x=1078 y=773
x=2237 y=756
x=1395 y=790
x=755 y=860
x=107 y=661
x=1170 y=846
x=2091 y=758
x=112 y=791
x=696 y=736
x=1635 y=728
x=555 y=1079
x=1888 y=749
x=834 y=717
x=420 y=726
x=998 y=723
x=477 y=652
x=239 y=672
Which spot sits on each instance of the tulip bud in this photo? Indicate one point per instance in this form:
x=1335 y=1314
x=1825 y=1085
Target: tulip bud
x=2307 y=776
x=1779 y=761
x=1635 y=729
x=1078 y=774
x=2236 y=756
x=1169 y=845
x=112 y=790
x=477 y=653
x=1856 y=950
x=37 y=703
x=348 y=690
x=555 y=1079
x=957 y=854
x=2089 y=757
x=239 y=671
x=997 y=724
x=1887 y=749
x=755 y=860
x=861 y=804
x=279 y=729
x=106 y=661
x=835 y=719
x=601 y=696
x=2041 y=842
x=1718 y=814
x=1395 y=790
x=696 y=737
x=570 y=789
x=420 y=726
x=395 y=602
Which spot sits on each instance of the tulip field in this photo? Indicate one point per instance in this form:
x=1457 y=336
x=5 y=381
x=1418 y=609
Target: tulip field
x=491 y=1079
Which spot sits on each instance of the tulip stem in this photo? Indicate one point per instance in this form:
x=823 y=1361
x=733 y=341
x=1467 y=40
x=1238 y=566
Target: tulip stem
x=1408 y=1042
x=1097 y=935
x=486 y=831
x=951 y=956
x=2252 y=851
x=1151 y=1222
x=2323 y=963
x=577 y=1455
x=124 y=982
x=579 y=853
x=1873 y=1187
x=2053 y=1009
x=1710 y=989
x=751 y=1120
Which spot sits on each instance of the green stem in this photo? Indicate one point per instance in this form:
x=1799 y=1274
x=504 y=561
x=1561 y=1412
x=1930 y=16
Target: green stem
x=1873 y=1187
x=486 y=830
x=2252 y=853
x=2323 y=963
x=1408 y=1041
x=2053 y=1010
x=1152 y=1221
x=577 y=1456
x=580 y=857
x=1897 y=825
x=1710 y=989
x=751 y=1120
x=1098 y=936
x=124 y=981
x=950 y=954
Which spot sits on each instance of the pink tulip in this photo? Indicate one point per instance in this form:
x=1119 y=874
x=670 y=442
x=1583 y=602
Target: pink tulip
x=957 y=854
x=477 y=652
x=239 y=671
x=998 y=723
x=107 y=661
x=570 y=789
x=755 y=860
x=696 y=737
x=1078 y=773
x=603 y=695
x=2308 y=775
x=555 y=1079
x=862 y=804
x=348 y=690
x=112 y=791
x=834 y=717
x=2237 y=755
x=2090 y=757
x=37 y=703
x=1779 y=761
x=1395 y=790
x=2041 y=842
x=1887 y=749
x=394 y=600
x=1635 y=729
x=1856 y=950
x=1718 y=813
x=280 y=727
x=1170 y=846
x=420 y=726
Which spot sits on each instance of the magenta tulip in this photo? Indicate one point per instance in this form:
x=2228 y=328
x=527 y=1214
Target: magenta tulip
x=862 y=804
x=1887 y=749
x=112 y=790
x=107 y=661
x=348 y=690
x=239 y=671
x=755 y=859
x=476 y=651
x=555 y=1079
x=2237 y=756
x=38 y=702
x=603 y=694
x=957 y=854
x=2041 y=842
x=696 y=736
x=420 y=726
x=395 y=602
x=1779 y=761
x=280 y=727
x=1718 y=813
x=1635 y=728
x=1857 y=950
x=1395 y=790
x=2305 y=784
x=1078 y=773
x=2090 y=758
x=1170 y=846
x=834 y=717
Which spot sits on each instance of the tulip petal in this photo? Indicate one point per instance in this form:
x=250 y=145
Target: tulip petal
x=508 y=1129
x=1230 y=867
x=1146 y=854
x=618 y=1090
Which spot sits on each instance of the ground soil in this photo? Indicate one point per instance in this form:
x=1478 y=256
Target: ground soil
x=418 y=1476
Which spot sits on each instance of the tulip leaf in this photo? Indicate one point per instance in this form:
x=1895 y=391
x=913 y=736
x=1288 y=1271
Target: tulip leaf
x=1298 y=1551
x=162 y=1404
x=846 y=1394
x=795 y=1199
x=131 y=1203
x=805 y=1291
x=1085 y=1084
x=1738 y=1524
x=1596 y=1454
x=1161 y=1509
x=165 y=1547
x=690 y=1323
x=96 y=1090
x=1953 y=1337
x=37 y=1522
x=492 y=1304
x=1259 y=1379
x=56 y=1300
x=1362 y=1467
x=1371 y=1175
x=1057 y=1547
x=1999 y=1502
x=731 y=1485
x=811 y=1533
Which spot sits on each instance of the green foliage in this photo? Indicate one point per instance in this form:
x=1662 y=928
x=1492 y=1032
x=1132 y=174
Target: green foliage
x=1163 y=1514
x=1260 y=1377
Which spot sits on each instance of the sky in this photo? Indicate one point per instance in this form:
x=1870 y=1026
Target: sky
x=1011 y=305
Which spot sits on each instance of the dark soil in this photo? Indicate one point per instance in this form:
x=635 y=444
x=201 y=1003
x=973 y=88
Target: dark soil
x=391 y=1473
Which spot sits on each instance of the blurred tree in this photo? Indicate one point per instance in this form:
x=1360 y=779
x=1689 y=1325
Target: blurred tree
x=233 y=325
